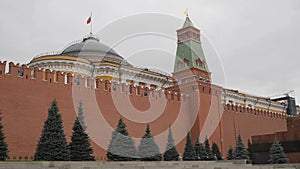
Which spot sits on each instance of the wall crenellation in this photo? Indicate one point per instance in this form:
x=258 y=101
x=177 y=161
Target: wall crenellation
x=52 y=77
x=254 y=112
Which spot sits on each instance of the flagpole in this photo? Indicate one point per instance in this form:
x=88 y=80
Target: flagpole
x=91 y=24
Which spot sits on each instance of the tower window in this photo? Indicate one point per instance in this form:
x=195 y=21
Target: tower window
x=186 y=62
x=179 y=64
x=206 y=79
x=199 y=62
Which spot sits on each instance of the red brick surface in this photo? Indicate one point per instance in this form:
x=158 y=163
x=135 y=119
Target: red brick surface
x=24 y=104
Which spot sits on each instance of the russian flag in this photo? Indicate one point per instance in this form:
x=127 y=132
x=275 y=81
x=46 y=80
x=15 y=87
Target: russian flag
x=89 y=20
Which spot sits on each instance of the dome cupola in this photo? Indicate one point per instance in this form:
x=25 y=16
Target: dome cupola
x=80 y=57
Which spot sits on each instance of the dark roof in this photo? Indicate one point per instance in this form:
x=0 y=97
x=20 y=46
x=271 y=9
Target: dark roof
x=91 y=46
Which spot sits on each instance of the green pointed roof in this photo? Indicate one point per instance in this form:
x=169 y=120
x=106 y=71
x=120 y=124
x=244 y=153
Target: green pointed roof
x=187 y=22
x=192 y=51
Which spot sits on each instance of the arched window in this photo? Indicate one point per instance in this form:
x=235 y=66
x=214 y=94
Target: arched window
x=179 y=64
x=186 y=62
x=206 y=79
x=199 y=62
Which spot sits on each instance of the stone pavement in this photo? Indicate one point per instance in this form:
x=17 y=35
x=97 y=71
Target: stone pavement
x=142 y=165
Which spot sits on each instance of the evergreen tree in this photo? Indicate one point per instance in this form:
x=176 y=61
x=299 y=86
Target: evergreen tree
x=171 y=153
x=249 y=149
x=277 y=155
x=148 y=149
x=111 y=150
x=199 y=150
x=230 y=154
x=52 y=145
x=80 y=148
x=240 y=150
x=3 y=144
x=216 y=151
x=189 y=153
x=208 y=154
x=121 y=146
x=81 y=116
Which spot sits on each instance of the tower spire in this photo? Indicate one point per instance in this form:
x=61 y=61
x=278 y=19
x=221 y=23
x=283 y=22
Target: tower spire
x=186 y=13
x=189 y=54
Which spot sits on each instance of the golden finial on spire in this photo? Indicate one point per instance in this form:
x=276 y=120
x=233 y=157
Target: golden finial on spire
x=186 y=13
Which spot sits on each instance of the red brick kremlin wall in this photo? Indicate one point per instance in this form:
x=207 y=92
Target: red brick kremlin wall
x=24 y=103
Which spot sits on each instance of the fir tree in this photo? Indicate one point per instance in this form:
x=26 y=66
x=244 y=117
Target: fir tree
x=52 y=145
x=121 y=146
x=240 y=150
x=277 y=155
x=230 y=154
x=148 y=149
x=208 y=154
x=249 y=149
x=80 y=148
x=3 y=144
x=189 y=153
x=199 y=150
x=171 y=153
x=81 y=116
x=111 y=150
x=216 y=151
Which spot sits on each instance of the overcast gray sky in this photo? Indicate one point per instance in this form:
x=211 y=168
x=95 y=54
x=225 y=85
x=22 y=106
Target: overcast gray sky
x=257 y=41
